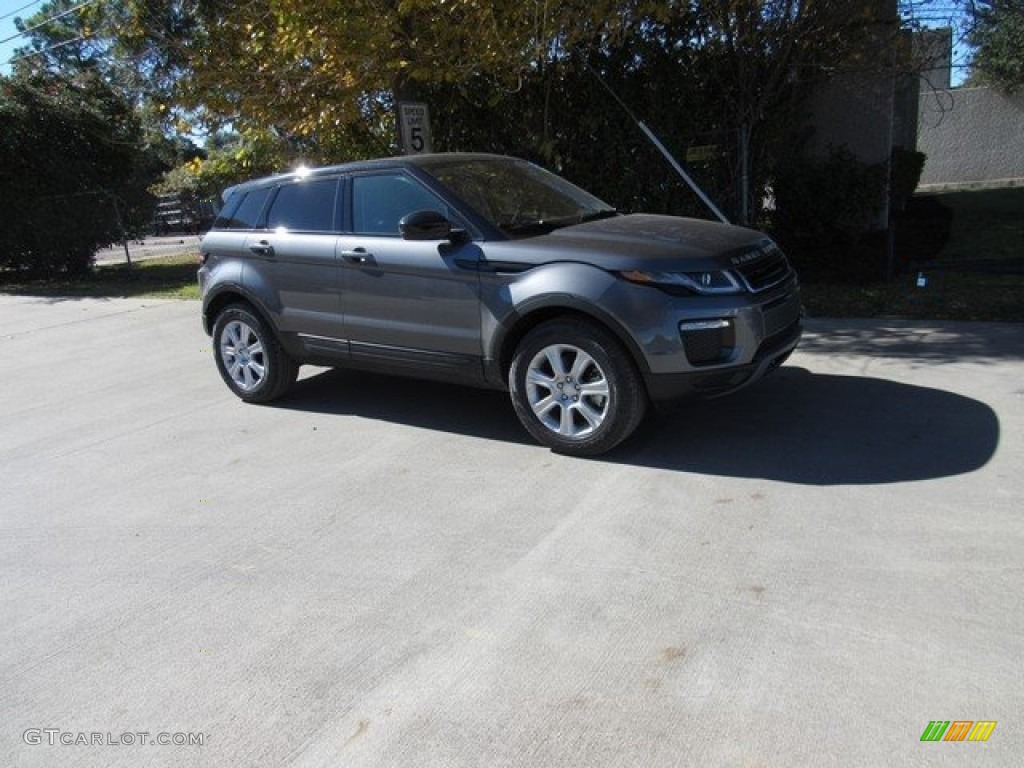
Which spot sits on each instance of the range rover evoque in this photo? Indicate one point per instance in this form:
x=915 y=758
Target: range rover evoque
x=491 y=271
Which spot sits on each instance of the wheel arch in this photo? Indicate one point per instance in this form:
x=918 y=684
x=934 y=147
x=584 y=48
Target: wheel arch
x=228 y=295
x=555 y=308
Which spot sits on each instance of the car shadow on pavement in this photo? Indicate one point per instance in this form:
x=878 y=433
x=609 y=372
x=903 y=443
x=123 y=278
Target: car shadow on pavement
x=818 y=429
x=795 y=426
x=427 y=404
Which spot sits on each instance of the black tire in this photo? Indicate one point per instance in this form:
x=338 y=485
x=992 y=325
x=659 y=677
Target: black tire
x=249 y=357
x=575 y=387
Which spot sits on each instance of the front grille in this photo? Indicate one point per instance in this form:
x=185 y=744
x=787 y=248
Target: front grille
x=763 y=273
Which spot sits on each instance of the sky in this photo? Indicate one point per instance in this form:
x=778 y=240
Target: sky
x=9 y=11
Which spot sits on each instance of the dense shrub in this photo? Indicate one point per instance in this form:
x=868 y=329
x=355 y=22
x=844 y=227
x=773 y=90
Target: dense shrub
x=905 y=175
x=67 y=150
x=922 y=230
x=825 y=209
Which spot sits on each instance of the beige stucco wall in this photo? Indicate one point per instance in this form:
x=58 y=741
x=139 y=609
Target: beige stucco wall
x=972 y=137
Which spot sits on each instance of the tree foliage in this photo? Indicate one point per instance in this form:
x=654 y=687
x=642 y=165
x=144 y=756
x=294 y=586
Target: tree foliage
x=136 y=46
x=998 y=38
x=320 y=78
x=70 y=172
x=317 y=80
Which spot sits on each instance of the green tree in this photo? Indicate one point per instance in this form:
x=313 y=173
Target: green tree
x=998 y=38
x=317 y=80
x=137 y=46
x=70 y=171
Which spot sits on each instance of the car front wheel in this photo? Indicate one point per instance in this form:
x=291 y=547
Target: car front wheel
x=249 y=357
x=575 y=388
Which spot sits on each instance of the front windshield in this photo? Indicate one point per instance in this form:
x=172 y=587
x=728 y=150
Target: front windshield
x=517 y=197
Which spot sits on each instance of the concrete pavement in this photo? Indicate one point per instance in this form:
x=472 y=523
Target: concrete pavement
x=380 y=572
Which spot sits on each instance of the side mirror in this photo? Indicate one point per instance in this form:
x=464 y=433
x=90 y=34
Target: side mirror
x=425 y=225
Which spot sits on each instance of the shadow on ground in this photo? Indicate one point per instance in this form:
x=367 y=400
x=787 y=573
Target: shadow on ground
x=451 y=408
x=816 y=429
x=794 y=427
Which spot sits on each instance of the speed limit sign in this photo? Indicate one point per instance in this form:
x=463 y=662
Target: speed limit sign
x=415 y=124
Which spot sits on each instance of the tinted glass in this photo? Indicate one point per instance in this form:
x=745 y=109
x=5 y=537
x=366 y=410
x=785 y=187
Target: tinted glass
x=306 y=206
x=380 y=202
x=516 y=196
x=223 y=220
x=247 y=215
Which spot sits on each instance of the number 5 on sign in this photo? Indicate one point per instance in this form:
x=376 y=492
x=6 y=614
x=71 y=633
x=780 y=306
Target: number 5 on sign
x=415 y=125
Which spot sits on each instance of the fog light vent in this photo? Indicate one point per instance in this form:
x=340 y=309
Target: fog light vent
x=707 y=341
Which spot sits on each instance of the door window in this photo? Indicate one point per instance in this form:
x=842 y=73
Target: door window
x=305 y=206
x=380 y=202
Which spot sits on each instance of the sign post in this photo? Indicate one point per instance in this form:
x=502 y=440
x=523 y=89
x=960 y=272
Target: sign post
x=414 y=126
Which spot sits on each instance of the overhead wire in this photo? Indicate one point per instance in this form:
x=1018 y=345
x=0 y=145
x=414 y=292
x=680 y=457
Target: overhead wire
x=44 y=51
x=19 y=10
x=50 y=19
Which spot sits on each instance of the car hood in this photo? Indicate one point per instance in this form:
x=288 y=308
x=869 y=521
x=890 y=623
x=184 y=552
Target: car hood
x=641 y=241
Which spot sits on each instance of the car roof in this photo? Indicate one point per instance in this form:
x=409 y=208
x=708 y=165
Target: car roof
x=401 y=161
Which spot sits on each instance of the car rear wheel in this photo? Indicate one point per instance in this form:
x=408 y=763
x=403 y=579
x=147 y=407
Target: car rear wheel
x=575 y=388
x=249 y=357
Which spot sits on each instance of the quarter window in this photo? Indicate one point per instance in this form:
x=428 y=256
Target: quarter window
x=247 y=215
x=306 y=206
x=380 y=202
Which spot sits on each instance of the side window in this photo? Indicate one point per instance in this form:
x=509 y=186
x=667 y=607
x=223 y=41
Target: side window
x=380 y=202
x=247 y=214
x=305 y=206
x=223 y=220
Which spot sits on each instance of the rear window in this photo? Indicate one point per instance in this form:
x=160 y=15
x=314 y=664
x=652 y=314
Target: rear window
x=242 y=211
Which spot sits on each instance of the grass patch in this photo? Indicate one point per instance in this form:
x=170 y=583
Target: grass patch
x=978 y=274
x=987 y=224
x=947 y=296
x=168 y=277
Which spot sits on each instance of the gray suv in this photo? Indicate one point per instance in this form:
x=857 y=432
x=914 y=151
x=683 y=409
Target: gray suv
x=490 y=271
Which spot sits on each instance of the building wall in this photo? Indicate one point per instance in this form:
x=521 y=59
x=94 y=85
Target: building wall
x=972 y=137
x=933 y=57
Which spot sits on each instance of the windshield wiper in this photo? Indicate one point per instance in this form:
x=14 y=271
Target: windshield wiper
x=544 y=226
x=528 y=227
x=603 y=213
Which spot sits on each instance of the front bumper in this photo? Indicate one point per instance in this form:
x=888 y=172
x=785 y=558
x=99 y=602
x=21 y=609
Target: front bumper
x=668 y=390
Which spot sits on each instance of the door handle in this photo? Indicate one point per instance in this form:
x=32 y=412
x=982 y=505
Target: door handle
x=262 y=248
x=357 y=256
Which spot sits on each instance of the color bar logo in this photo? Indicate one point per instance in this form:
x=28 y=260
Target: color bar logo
x=958 y=730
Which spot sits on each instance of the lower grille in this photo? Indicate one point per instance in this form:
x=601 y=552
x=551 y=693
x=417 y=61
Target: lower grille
x=707 y=342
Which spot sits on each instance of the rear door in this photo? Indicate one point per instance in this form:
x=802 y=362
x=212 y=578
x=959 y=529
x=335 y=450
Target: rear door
x=408 y=304
x=293 y=259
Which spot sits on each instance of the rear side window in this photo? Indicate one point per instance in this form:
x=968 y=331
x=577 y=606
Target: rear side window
x=246 y=213
x=306 y=206
x=223 y=220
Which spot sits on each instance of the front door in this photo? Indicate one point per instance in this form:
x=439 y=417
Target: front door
x=408 y=304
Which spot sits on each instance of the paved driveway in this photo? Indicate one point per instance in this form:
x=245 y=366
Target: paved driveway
x=388 y=573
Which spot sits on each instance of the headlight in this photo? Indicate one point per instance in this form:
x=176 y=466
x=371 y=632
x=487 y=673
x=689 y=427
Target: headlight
x=706 y=282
